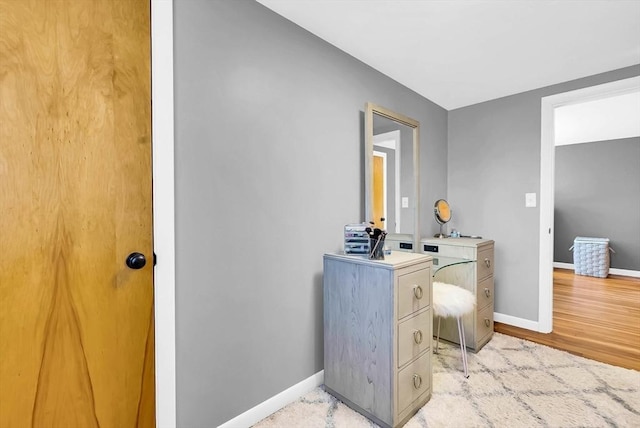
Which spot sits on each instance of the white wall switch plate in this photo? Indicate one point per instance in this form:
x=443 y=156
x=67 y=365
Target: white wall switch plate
x=530 y=200
x=405 y=202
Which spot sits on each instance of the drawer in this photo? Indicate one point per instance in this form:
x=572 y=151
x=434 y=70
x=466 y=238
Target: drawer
x=414 y=292
x=399 y=245
x=413 y=381
x=468 y=253
x=484 y=321
x=485 y=263
x=484 y=294
x=414 y=336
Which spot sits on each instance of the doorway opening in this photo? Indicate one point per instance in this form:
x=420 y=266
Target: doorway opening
x=547 y=182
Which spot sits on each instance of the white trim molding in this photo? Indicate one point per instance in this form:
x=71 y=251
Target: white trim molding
x=547 y=181
x=163 y=210
x=561 y=265
x=516 y=322
x=547 y=173
x=625 y=272
x=275 y=403
x=612 y=271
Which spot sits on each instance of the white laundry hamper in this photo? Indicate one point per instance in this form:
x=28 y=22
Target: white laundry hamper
x=591 y=256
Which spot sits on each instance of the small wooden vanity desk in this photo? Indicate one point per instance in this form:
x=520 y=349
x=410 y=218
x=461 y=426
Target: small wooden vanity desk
x=468 y=263
x=377 y=334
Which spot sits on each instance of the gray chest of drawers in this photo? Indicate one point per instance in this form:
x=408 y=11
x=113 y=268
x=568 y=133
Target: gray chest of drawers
x=377 y=334
x=476 y=277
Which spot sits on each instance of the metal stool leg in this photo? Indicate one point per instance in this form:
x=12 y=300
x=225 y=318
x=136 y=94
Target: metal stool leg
x=463 y=346
x=438 y=336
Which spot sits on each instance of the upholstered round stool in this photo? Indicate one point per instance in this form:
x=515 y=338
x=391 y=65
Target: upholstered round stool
x=451 y=301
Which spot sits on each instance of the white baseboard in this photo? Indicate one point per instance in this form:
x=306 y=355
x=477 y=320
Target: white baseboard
x=625 y=272
x=612 y=271
x=275 y=403
x=516 y=322
x=561 y=265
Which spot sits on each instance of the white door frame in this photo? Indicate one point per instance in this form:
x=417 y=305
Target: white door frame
x=547 y=183
x=163 y=210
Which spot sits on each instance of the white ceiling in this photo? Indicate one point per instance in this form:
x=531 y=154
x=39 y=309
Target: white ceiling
x=462 y=52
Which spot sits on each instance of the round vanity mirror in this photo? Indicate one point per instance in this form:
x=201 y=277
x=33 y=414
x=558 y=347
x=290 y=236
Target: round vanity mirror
x=442 y=212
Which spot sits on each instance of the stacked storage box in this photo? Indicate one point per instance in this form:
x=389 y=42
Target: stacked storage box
x=591 y=256
x=356 y=239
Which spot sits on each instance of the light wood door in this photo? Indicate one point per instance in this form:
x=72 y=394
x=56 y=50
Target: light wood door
x=76 y=324
x=379 y=196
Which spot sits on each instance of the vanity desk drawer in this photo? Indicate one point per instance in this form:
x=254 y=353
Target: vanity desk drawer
x=440 y=247
x=484 y=293
x=485 y=263
x=413 y=336
x=484 y=325
x=414 y=381
x=413 y=292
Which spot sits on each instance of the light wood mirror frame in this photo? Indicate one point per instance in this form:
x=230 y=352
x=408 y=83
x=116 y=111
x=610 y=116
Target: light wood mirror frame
x=371 y=110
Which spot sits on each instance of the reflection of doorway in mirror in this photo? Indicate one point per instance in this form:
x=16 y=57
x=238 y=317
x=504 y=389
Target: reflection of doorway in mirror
x=379 y=188
x=389 y=144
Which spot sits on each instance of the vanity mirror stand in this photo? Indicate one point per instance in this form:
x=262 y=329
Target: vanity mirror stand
x=442 y=212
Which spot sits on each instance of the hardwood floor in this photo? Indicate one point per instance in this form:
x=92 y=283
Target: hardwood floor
x=597 y=318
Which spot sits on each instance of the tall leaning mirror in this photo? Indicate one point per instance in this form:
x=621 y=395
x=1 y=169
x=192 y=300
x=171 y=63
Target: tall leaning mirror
x=392 y=171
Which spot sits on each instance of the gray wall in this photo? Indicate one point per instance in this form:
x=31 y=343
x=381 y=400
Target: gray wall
x=597 y=194
x=493 y=160
x=269 y=164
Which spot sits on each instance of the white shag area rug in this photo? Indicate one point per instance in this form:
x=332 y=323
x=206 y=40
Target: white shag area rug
x=513 y=383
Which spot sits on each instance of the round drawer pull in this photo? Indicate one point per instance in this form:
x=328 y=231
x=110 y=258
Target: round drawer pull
x=417 y=381
x=417 y=291
x=417 y=336
x=487 y=322
x=487 y=262
x=487 y=292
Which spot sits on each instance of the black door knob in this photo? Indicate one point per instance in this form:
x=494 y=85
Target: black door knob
x=136 y=260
